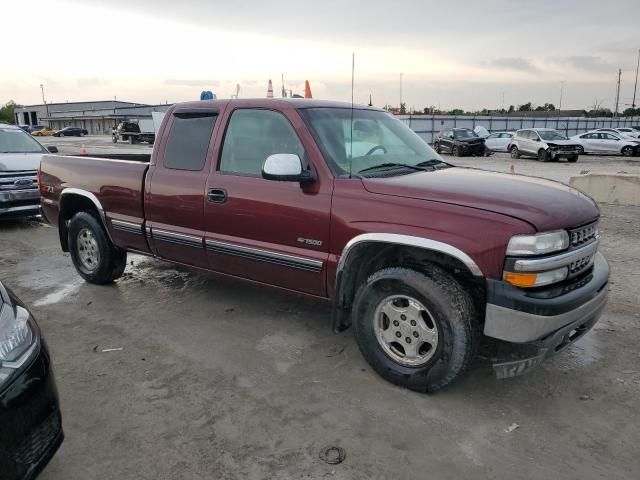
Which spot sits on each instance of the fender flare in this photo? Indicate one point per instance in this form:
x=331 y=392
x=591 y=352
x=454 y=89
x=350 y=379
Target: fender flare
x=94 y=200
x=340 y=314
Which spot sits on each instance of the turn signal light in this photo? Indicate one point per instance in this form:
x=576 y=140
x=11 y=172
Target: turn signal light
x=521 y=279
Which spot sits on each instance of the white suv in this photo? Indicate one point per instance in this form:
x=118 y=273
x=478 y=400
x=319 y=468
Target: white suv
x=545 y=144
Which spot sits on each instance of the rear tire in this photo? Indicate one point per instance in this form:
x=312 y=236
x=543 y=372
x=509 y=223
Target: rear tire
x=515 y=153
x=438 y=304
x=627 y=151
x=96 y=259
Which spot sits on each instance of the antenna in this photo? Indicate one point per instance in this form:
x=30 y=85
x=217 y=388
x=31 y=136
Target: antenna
x=353 y=67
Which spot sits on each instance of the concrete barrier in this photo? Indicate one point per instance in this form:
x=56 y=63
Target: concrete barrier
x=622 y=189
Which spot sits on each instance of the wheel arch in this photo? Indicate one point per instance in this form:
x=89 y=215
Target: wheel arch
x=369 y=252
x=72 y=201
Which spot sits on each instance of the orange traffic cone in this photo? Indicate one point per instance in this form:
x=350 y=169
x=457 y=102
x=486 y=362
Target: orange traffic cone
x=270 y=90
x=83 y=150
x=307 y=89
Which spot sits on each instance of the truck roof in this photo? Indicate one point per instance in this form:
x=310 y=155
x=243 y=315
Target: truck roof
x=270 y=102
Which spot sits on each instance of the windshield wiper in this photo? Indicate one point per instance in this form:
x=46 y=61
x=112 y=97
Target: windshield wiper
x=434 y=164
x=389 y=165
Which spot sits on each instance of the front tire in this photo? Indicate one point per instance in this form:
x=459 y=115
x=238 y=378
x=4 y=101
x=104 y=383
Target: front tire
x=627 y=151
x=543 y=155
x=455 y=151
x=515 y=153
x=416 y=330
x=96 y=259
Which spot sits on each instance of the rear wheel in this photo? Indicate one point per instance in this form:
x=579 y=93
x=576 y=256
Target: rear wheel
x=61 y=135
x=96 y=259
x=455 y=151
x=515 y=153
x=627 y=151
x=81 y=134
x=417 y=330
x=580 y=150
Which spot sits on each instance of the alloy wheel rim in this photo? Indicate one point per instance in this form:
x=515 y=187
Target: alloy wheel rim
x=406 y=330
x=87 y=248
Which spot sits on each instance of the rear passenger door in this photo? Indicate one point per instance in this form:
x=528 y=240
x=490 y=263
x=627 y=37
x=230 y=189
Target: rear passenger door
x=265 y=230
x=174 y=203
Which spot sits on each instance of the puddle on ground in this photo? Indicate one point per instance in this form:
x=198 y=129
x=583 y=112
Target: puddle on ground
x=57 y=295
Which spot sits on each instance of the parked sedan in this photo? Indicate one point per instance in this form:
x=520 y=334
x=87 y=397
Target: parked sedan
x=621 y=132
x=606 y=143
x=459 y=142
x=499 y=141
x=71 y=132
x=45 y=132
x=30 y=422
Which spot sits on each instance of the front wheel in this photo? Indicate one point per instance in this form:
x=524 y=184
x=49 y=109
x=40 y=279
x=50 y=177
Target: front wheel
x=96 y=259
x=627 y=151
x=417 y=330
x=61 y=135
x=580 y=150
x=455 y=151
x=515 y=153
x=81 y=134
x=543 y=155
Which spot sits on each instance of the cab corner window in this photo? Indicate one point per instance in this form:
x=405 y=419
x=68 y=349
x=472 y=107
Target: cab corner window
x=188 y=142
x=252 y=135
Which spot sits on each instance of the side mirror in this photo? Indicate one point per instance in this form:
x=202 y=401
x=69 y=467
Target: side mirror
x=285 y=167
x=52 y=149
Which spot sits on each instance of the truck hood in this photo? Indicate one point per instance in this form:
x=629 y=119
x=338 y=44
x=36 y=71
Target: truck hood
x=20 y=161
x=545 y=204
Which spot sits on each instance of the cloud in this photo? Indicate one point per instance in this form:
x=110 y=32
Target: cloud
x=587 y=63
x=188 y=82
x=85 y=82
x=511 y=63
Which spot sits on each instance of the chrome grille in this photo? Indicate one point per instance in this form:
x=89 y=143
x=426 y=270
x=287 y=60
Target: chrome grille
x=582 y=235
x=20 y=180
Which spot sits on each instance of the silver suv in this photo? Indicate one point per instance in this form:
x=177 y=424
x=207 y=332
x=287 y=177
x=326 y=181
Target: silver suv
x=545 y=144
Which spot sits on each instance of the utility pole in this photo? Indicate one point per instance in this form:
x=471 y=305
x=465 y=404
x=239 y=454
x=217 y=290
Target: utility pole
x=633 y=104
x=503 y=102
x=615 y=114
x=400 y=106
x=561 y=92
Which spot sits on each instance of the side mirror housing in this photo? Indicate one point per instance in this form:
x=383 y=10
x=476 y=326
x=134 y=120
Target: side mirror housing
x=52 y=149
x=285 y=167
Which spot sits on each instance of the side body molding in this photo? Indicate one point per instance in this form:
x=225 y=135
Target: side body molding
x=341 y=308
x=410 y=241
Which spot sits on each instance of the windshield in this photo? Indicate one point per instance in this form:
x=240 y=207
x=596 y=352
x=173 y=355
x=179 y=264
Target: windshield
x=551 y=135
x=464 y=134
x=15 y=140
x=378 y=139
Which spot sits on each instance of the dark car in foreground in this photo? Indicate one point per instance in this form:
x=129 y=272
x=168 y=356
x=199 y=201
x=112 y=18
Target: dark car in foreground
x=30 y=422
x=71 y=132
x=459 y=142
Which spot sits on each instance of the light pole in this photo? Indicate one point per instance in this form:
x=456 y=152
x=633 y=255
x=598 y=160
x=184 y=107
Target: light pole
x=561 y=92
x=46 y=107
x=633 y=104
x=400 y=106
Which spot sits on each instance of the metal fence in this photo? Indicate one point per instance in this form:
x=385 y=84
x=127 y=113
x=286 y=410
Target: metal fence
x=428 y=125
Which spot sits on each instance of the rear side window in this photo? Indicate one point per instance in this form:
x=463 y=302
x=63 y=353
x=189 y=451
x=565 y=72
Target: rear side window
x=188 y=141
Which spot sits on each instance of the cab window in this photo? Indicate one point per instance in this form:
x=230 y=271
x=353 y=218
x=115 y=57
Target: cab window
x=188 y=141
x=252 y=135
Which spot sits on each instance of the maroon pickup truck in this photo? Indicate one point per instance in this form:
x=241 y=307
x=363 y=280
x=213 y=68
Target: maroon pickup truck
x=422 y=258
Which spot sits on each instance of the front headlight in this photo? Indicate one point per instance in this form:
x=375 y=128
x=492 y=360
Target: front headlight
x=17 y=339
x=538 y=244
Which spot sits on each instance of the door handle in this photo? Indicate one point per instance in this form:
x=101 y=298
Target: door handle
x=216 y=195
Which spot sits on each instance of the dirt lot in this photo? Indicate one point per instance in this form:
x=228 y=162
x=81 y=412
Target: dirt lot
x=220 y=379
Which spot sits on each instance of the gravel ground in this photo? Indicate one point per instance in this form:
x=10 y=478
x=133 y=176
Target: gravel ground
x=222 y=379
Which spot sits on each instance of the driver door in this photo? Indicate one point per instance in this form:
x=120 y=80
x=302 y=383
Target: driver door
x=276 y=232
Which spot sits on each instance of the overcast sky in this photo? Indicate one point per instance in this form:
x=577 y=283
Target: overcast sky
x=453 y=54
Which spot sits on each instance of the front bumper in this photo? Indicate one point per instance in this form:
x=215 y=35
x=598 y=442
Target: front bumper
x=540 y=322
x=30 y=423
x=563 y=153
x=19 y=202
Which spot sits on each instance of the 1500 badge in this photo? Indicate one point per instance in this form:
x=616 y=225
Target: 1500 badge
x=310 y=241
